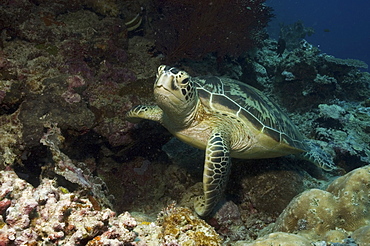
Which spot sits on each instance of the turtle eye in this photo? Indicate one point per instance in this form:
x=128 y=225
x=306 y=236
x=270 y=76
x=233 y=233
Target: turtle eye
x=174 y=70
x=185 y=81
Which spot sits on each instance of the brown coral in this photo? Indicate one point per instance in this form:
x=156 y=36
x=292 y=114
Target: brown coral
x=280 y=239
x=362 y=235
x=353 y=194
x=343 y=206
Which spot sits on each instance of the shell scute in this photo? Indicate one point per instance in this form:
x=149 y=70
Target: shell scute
x=249 y=104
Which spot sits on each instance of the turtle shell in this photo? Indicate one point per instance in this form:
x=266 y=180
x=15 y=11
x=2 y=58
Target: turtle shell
x=248 y=104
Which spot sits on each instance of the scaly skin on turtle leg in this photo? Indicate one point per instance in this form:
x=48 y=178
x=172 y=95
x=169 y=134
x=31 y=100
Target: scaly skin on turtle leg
x=144 y=112
x=318 y=156
x=216 y=172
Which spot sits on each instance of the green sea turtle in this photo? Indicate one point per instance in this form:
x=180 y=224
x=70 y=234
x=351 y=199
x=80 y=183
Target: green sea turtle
x=226 y=118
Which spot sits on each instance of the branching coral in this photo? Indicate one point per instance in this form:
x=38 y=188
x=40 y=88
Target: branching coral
x=192 y=29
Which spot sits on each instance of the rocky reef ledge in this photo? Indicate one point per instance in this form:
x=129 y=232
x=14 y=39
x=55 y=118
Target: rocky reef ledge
x=333 y=216
x=51 y=215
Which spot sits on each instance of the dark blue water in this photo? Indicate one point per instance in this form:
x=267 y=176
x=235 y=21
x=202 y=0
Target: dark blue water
x=342 y=27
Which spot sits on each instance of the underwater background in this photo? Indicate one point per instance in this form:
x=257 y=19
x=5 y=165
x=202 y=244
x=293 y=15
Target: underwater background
x=341 y=27
x=74 y=171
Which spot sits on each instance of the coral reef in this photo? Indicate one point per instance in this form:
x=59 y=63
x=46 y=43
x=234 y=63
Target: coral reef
x=306 y=73
x=79 y=43
x=65 y=167
x=324 y=217
x=50 y=214
x=342 y=206
x=136 y=184
x=228 y=222
x=313 y=80
x=261 y=188
x=279 y=239
x=69 y=71
x=345 y=127
x=202 y=27
x=52 y=106
x=294 y=33
x=180 y=226
x=11 y=139
x=362 y=235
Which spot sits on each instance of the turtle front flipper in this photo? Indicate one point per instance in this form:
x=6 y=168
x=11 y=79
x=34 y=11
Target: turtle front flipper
x=140 y=112
x=216 y=172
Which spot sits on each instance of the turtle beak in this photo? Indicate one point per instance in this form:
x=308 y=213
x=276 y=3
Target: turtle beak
x=163 y=80
x=166 y=81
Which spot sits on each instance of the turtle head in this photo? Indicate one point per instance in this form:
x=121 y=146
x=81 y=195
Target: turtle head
x=174 y=91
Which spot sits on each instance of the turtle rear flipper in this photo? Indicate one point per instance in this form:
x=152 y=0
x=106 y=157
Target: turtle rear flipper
x=318 y=156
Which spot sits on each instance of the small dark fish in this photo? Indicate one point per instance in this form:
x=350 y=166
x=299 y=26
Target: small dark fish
x=326 y=30
x=281 y=46
x=135 y=22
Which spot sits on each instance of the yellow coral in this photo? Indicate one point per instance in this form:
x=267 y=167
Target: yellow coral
x=183 y=226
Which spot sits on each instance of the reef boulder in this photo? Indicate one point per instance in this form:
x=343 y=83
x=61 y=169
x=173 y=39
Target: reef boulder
x=343 y=206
